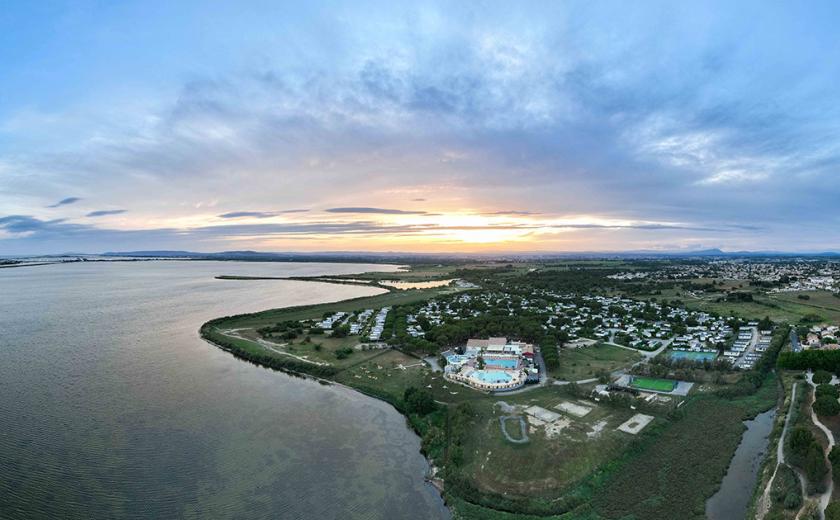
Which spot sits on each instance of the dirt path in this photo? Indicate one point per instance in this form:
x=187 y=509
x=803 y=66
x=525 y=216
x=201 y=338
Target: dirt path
x=274 y=347
x=825 y=498
x=764 y=502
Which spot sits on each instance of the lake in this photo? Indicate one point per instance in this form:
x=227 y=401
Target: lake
x=112 y=406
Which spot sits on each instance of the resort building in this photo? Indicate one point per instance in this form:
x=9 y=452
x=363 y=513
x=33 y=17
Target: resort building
x=493 y=364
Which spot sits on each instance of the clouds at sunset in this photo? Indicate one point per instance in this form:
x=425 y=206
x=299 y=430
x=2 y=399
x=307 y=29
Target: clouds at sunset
x=439 y=128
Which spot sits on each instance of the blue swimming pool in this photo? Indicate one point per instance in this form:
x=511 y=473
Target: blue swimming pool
x=492 y=376
x=456 y=359
x=500 y=363
x=693 y=356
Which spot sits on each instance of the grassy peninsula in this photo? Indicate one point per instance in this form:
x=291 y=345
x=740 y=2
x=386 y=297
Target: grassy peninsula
x=576 y=467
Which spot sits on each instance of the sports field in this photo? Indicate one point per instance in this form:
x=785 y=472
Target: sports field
x=652 y=383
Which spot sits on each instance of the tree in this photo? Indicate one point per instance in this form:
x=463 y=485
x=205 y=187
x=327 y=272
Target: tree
x=793 y=500
x=765 y=324
x=832 y=512
x=829 y=390
x=826 y=405
x=815 y=466
x=419 y=401
x=341 y=332
x=800 y=440
x=834 y=460
x=822 y=377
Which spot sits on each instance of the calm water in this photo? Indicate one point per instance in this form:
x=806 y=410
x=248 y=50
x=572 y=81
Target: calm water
x=112 y=406
x=733 y=497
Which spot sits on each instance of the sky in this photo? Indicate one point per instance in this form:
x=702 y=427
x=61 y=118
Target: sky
x=429 y=127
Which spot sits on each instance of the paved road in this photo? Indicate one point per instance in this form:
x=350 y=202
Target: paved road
x=794 y=341
x=750 y=348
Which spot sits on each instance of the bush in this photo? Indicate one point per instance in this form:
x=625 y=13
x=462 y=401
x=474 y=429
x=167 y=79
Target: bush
x=341 y=332
x=822 y=377
x=834 y=460
x=800 y=440
x=815 y=468
x=793 y=500
x=826 y=405
x=419 y=401
x=829 y=390
x=832 y=512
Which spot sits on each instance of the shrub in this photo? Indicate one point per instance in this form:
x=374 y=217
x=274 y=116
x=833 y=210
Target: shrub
x=832 y=512
x=815 y=468
x=834 y=460
x=826 y=405
x=793 y=500
x=800 y=440
x=419 y=401
x=829 y=390
x=822 y=377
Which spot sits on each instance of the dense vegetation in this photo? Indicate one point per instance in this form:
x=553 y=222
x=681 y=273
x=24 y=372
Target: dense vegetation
x=786 y=492
x=807 y=454
x=827 y=360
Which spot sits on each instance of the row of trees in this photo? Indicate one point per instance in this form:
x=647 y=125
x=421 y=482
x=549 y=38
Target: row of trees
x=827 y=360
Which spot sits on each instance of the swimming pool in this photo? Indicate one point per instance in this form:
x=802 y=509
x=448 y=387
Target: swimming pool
x=500 y=363
x=492 y=376
x=693 y=356
x=456 y=359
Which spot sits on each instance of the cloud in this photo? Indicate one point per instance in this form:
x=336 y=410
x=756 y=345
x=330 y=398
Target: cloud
x=105 y=212
x=511 y=212
x=380 y=211
x=556 y=108
x=260 y=214
x=29 y=225
x=64 y=202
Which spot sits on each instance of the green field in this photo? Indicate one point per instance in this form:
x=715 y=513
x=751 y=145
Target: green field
x=652 y=383
x=822 y=303
x=588 y=362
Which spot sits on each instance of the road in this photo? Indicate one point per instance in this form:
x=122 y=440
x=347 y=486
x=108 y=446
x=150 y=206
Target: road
x=794 y=341
x=750 y=348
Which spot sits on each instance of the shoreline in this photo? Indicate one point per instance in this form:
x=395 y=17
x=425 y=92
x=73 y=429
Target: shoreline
x=430 y=479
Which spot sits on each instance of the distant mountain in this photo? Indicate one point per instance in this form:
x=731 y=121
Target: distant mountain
x=360 y=256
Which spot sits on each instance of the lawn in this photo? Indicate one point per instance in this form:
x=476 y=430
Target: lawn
x=652 y=383
x=822 y=303
x=392 y=372
x=588 y=362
